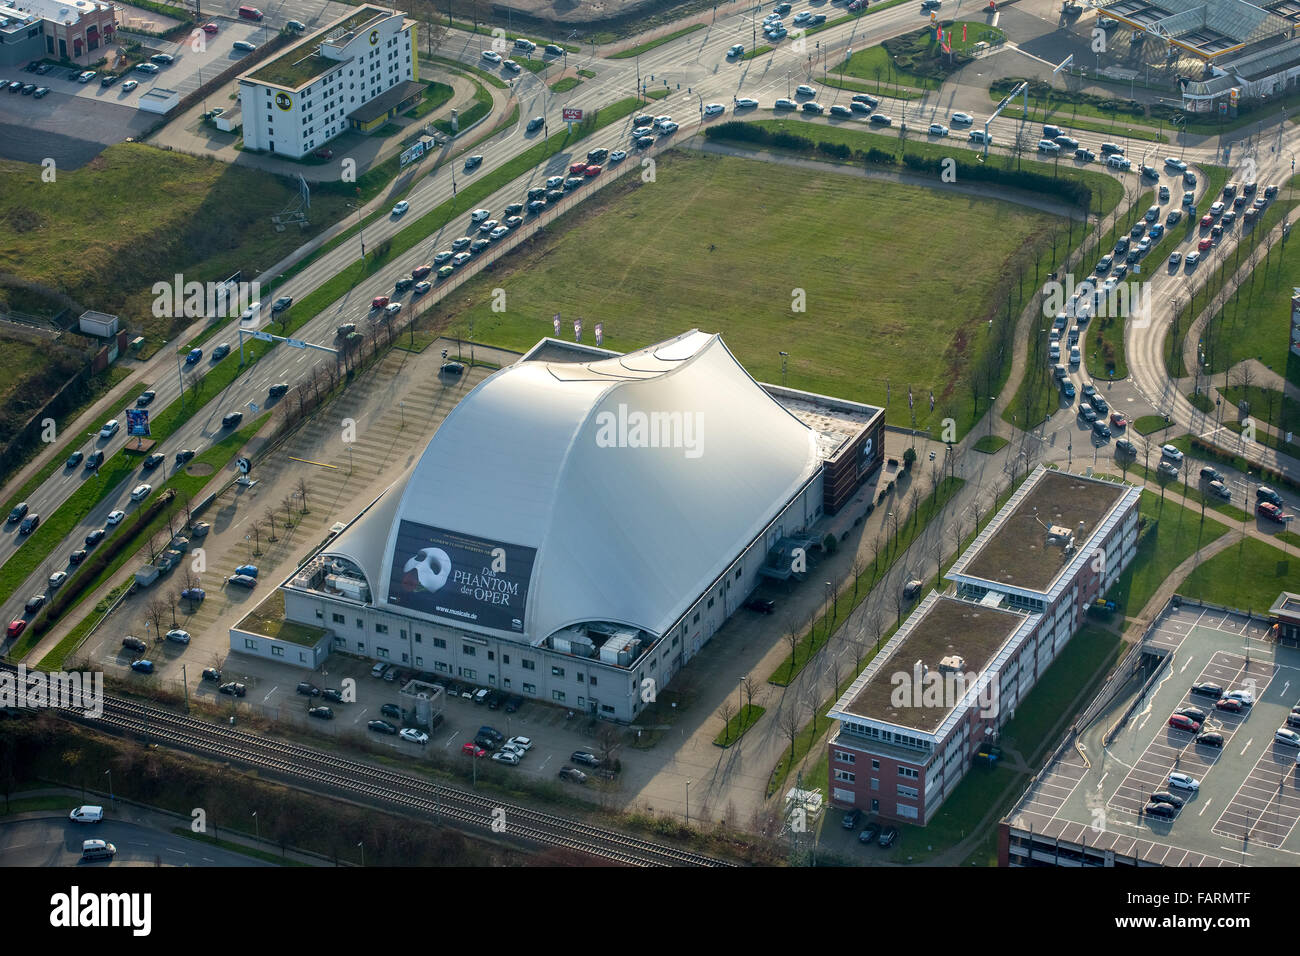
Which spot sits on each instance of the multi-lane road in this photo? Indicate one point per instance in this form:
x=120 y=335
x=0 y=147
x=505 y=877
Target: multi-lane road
x=696 y=70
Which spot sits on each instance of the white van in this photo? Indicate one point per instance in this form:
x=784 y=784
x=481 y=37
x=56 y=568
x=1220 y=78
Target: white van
x=87 y=815
x=97 y=850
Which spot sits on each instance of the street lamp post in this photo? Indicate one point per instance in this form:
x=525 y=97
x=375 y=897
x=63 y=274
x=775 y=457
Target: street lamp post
x=688 y=803
x=109 y=773
x=361 y=226
x=363 y=854
x=784 y=356
x=257 y=826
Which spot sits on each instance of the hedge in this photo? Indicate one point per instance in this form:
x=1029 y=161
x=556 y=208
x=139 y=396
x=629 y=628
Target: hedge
x=1070 y=190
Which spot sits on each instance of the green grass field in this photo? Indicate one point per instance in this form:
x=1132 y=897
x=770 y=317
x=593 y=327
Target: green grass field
x=1179 y=533
x=215 y=220
x=480 y=108
x=1248 y=324
x=664 y=247
x=564 y=84
x=435 y=97
x=1249 y=575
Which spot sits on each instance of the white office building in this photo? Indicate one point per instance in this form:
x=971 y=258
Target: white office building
x=355 y=73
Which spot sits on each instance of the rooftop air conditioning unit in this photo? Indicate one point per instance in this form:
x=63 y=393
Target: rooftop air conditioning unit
x=952 y=664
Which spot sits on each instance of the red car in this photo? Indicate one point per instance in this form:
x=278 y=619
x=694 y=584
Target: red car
x=1183 y=722
x=1206 y=221
x=1229 y=704
x=324 y=153
x=209 y=28
x=1118 y=420
x=592 y=171
x=1205 y=243
x=1270 y=510
x=473 y=750
x=577 y=169
x=16 y=628
x=420 y=272
x=379 y=301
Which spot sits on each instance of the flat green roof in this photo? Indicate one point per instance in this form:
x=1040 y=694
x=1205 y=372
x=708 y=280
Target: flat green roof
x=297 y=66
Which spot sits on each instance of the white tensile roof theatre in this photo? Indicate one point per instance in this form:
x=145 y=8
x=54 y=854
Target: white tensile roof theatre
x=618 y=494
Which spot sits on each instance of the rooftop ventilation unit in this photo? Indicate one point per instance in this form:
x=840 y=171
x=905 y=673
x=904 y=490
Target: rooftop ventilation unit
x=952 y=664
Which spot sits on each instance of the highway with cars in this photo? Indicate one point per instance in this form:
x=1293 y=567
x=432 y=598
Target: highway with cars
x=697 y=71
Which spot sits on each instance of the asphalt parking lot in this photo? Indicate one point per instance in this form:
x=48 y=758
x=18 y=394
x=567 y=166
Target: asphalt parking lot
x=1248 y=801
x=33 y=130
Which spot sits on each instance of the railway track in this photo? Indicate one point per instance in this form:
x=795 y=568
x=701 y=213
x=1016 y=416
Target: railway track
x=378 y=784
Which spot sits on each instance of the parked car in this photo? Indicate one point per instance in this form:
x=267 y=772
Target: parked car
x=888 y=836
x=142 y=666
x=762 y=605
x=1208 y=690
x=321 y=712
x=382 y=727
x=233 y=688
x=584 y=757
x=850 y=820
x=572 y=774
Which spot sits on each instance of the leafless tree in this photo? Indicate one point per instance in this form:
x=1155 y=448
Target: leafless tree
x=154 y=611
x=188 y=578
x=1244 y=377
x=790 y=726
x=1020 y=145
x=791 y=634
x=859 y=653
x=813 y=706
x=287 y=504
x=269 y=517
x=255 y=526
x=157 y=544
x=749 y=688
x=172 y=600
x=857 y=570
x=302 y=490
x=877 y=630
x=726 y=712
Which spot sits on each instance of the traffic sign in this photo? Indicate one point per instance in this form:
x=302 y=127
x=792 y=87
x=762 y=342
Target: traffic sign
x=295 y=343
x=264 y=336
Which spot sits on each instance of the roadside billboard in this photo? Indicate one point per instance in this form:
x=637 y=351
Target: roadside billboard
x=137 y=422
x=571 y=114
x=460 y=576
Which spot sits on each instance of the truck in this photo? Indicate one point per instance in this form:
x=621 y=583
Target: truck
x=146 y=576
